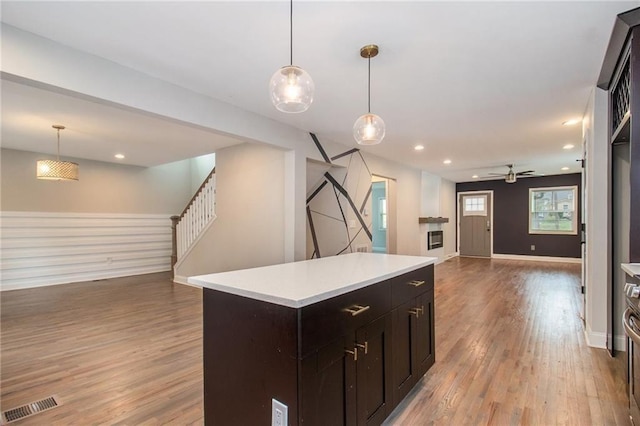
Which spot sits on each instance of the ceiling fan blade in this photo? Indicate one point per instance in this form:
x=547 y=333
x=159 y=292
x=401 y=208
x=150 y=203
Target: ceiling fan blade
x=496 y=174
x=526 y=172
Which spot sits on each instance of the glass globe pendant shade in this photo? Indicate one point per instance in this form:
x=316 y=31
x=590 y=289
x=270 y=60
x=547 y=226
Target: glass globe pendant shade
x=369 y=129
x=291 y=89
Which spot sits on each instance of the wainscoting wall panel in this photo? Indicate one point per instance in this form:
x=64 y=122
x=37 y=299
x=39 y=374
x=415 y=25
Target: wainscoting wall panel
x=41 y=248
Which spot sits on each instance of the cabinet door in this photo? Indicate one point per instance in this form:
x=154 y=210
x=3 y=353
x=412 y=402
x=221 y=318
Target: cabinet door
x=328 y=385
x=425 y=334
x=404 y=375
x=373 y=382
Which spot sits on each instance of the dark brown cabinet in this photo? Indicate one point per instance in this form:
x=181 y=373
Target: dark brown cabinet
x=346 y=382
x=412 y=331
x=335 y=362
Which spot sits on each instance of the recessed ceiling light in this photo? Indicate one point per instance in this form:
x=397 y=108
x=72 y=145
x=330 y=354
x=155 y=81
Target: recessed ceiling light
x=418 y=147
x=447 y=161
x=119 y=156
x=475 y=176
x=568 y=146
x=571 y=122
x=564 y=168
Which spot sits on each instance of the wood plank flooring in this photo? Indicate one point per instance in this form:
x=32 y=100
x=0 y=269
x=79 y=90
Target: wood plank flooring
x=510 y=350
x=509 y=340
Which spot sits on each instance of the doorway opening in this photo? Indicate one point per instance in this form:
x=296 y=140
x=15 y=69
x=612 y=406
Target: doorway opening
x=383 y=215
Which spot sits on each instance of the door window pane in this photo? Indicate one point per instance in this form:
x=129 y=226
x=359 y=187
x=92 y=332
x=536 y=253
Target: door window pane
x=474 y=205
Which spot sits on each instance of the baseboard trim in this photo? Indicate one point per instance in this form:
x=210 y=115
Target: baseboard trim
x=537 y=258
x=181 y=279
x=447 y=257
x=599 y=340
x=595 y=340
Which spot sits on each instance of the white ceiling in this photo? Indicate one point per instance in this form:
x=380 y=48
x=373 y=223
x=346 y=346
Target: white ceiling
x=483 y=84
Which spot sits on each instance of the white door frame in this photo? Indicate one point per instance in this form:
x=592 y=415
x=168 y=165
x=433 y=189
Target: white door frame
x=458 y=196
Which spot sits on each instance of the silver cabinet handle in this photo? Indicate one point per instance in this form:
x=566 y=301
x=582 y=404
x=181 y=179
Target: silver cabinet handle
x=365 y=346
x=356 y=310
x=415 y=311
x=354 y=352
x=416 y=283
x=627 y=328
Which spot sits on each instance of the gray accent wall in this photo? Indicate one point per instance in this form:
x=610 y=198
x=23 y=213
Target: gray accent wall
x=511 y=216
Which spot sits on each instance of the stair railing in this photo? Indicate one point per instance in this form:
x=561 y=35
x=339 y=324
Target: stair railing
x=200 y=211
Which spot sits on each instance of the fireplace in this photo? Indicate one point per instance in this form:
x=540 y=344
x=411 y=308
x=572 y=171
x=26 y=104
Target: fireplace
x=434 y=240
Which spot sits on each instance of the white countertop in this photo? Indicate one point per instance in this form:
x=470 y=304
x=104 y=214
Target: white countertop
x=631 y=268
x=299 y=284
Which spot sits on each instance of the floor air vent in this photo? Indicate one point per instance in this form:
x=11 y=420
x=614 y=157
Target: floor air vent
x=30 y=409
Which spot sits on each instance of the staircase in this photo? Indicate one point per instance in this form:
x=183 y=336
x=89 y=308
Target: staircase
x=195 y=218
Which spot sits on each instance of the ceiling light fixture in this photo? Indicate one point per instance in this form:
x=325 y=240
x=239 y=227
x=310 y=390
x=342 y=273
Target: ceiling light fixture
x=475 y=176
x=568 y=146
x=564 y=168
x=119 y=156
x=447 y=161
x=571 y=122
x=56 y=169
x=418 y=147
x=369 y=128
x=291 y=87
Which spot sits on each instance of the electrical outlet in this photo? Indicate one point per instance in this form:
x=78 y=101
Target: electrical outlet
x=533 y=247
x=279 y=413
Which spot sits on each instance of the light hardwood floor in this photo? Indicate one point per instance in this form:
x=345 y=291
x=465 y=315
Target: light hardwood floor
x=509 y=350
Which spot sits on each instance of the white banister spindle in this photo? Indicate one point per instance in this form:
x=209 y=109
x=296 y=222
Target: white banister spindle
x=196 y=217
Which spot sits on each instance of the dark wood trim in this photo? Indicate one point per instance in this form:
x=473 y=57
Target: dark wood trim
x=174 y=240
x=433 y=219
x=634 y=149
x=621 y=30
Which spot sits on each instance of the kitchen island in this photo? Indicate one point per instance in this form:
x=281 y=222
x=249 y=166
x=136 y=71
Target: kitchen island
x=336 y=340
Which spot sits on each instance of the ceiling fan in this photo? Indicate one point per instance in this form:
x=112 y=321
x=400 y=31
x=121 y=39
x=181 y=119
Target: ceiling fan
x=511 y=176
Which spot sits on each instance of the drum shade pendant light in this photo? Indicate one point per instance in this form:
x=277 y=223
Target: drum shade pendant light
x=291 y=87
x=56 y=169
x=369 y=128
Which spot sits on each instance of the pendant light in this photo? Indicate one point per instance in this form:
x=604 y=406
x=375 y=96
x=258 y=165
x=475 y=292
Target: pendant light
x=56 y=169
x=369 y=128
x=291 y=87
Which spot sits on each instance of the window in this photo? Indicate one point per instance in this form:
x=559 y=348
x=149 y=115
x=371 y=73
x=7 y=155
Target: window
x=382 y=212
x=553 y=210
x=475 y=205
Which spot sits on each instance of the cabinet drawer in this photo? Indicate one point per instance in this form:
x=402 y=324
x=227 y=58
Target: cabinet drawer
x=411 y=284
x=322 y=322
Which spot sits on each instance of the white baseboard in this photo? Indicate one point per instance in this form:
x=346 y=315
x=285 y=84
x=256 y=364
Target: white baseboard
x=595 y=340
x=181 y=279
x=447 y=257
x=536 y=258
x=599 y=340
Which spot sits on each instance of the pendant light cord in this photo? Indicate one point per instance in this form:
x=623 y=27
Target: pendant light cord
x=291 y=32
x=58 y=144
x=369 y=85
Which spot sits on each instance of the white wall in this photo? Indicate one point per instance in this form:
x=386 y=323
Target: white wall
x=200 y=168
x=102 y=187
x=438 y=199
x=249 y=227
x=598 y=267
